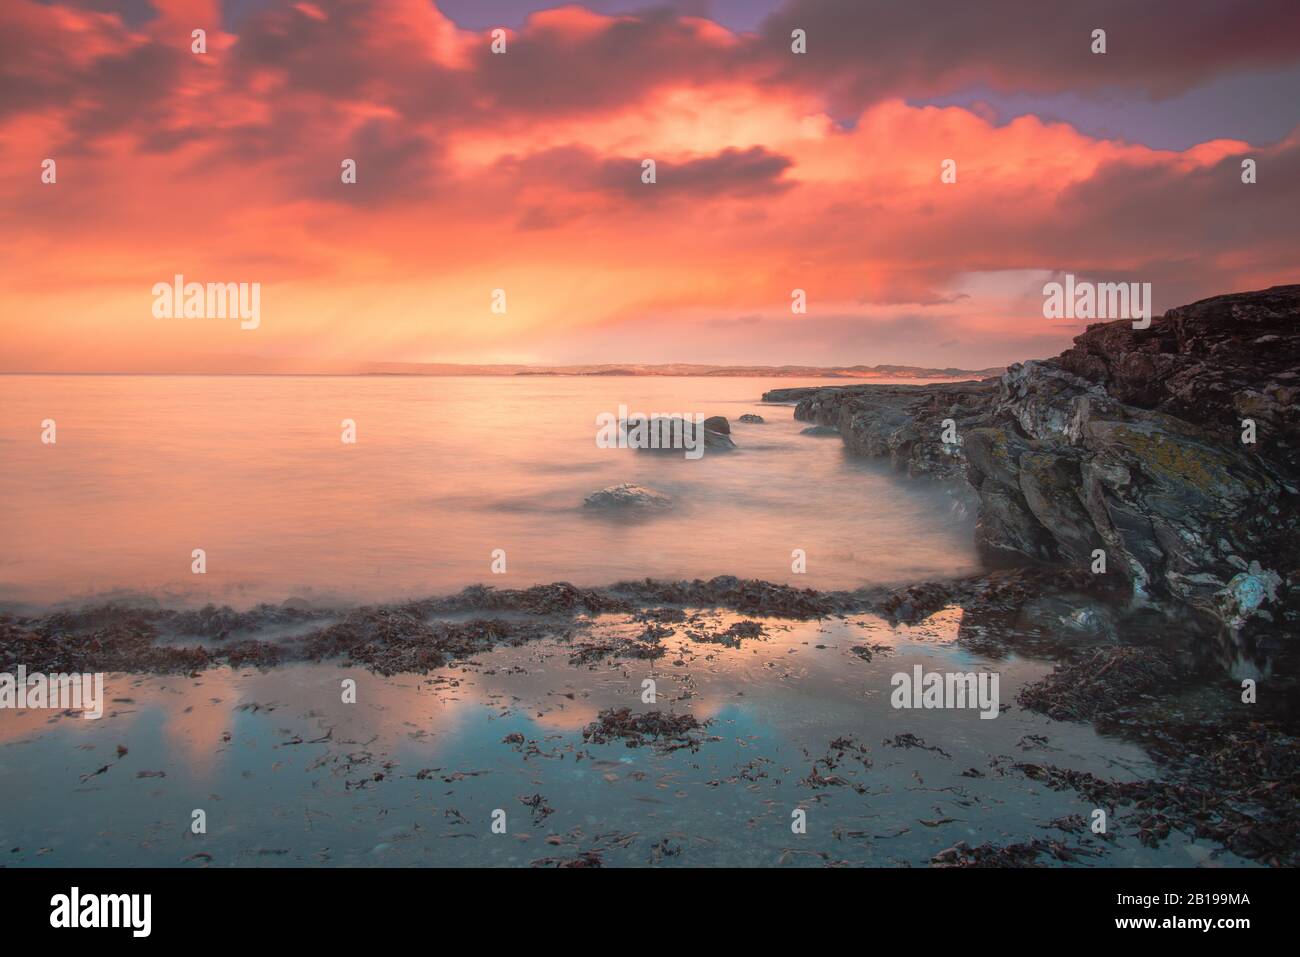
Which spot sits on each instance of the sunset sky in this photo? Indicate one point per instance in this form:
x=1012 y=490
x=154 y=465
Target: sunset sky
x=522 y=171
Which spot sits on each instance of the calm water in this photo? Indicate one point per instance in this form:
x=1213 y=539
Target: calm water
x=445 y=470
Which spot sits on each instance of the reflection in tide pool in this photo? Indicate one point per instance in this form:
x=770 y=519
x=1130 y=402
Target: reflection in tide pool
x=411 y=774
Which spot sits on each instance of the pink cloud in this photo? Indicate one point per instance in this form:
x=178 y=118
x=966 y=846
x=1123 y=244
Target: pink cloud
x=522 y=170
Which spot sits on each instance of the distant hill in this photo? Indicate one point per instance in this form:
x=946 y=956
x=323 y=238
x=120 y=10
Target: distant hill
x=694 y=369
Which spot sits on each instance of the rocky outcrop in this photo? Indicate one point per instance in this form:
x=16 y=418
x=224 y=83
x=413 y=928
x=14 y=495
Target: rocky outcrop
x=1130 y=448
x=899 y=422
x=1214 y=363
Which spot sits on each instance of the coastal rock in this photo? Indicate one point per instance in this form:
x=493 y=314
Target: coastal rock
x=1130 y=444
x=1213 y=362
x=629 y=497
x=676 y=433
x=751 y=418
x=717 y=433
x=819 y=430
x=905 y=423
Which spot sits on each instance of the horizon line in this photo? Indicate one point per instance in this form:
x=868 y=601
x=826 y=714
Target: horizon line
x=577 y=370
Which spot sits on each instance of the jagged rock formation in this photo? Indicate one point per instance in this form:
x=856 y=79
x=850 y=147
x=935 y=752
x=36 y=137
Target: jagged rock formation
x=1132 y=442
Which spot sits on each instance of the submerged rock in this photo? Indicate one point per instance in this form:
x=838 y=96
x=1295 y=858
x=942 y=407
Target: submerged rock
x=751 y=418
x=819 y=430
x=1127 y=450
x=629 y=496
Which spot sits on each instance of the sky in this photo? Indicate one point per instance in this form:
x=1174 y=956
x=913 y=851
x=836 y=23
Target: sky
x=522 y=171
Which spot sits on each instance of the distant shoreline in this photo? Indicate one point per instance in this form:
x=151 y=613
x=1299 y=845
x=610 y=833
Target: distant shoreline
x=496 y=372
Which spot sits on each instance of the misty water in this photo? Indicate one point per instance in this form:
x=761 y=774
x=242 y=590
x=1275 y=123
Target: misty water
x=444 y=471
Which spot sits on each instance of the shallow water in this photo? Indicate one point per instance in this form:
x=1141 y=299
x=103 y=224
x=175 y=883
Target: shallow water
x=288 y=774
x=445 y=470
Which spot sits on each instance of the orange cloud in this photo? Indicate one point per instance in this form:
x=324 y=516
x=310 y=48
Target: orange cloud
x=523 y=171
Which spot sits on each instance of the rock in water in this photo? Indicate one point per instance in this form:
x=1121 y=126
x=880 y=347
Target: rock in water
x=675 y=433
x=717 y=433
x=752 y=418
x=900 y=422
x=717 y=440
x=1132 y=443
x=629 y=497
